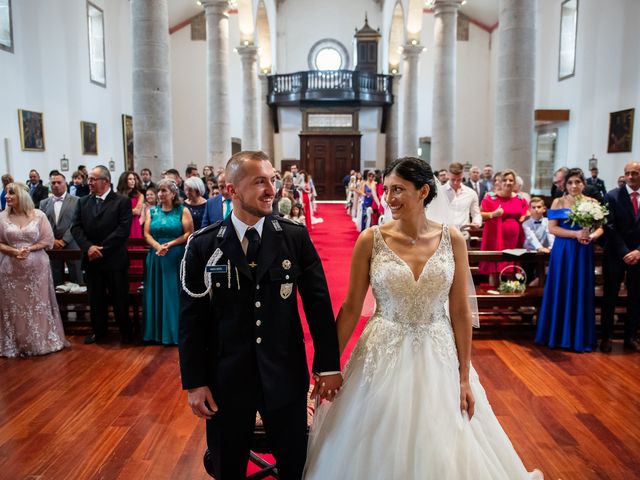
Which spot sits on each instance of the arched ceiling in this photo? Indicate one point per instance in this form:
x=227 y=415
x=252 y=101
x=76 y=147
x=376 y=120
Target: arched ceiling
x=396 y=37
x=263 y=36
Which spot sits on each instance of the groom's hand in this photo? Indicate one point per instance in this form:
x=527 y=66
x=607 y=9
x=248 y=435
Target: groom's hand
x=326 y=386
x=200 y=399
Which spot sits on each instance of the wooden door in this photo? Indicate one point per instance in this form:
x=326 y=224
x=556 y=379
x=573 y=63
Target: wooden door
x=328 y=158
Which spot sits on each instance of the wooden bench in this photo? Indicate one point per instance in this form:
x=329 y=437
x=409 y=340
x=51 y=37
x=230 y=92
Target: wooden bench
x=78 y=303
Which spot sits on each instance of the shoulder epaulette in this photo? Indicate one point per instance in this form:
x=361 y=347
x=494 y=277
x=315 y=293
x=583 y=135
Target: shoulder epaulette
x=206 y=229
x=287 y=221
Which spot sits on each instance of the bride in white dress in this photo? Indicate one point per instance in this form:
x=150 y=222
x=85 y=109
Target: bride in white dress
x=411 y=406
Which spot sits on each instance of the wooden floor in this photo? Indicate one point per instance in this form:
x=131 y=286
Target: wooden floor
x=111 y=412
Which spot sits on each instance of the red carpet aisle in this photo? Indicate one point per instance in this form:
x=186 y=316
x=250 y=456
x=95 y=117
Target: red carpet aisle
x=334 y=240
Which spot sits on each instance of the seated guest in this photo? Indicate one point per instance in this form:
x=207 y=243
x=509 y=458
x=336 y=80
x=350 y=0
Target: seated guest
x=567 y=316
x=150 y=200
x=166 y=229
x=60 y=209
x=78 y=186
x=173 y=174
x=284 y=207
x=6 y=180
x=37 y=190
x=557 y=189
x=518 y=189
x=30 y=322
x=536 y=228
x=195 y=202
x=219 y=207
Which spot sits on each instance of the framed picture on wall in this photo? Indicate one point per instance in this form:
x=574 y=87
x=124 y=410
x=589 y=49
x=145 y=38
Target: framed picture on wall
x=31 y=130
x=97 y=56
x=620 y=131
x=6 y=26
x=127 y=141
x=89 y=136
x=568 y=38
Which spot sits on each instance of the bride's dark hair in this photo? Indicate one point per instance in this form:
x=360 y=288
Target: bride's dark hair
x=416 y=171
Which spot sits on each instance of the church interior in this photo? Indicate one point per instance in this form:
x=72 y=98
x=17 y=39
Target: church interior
x=330 y=86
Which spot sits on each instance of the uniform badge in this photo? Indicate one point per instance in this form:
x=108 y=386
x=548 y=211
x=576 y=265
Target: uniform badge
x=285 y=290
x=286 y=264
x=221 y=231
x=276 y=225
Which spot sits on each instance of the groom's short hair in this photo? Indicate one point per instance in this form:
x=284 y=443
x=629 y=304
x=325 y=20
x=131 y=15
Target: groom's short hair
x=233 y=170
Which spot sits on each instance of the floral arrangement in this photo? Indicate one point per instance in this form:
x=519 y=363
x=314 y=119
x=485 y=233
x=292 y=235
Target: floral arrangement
x=516 y=284
x=588 y=214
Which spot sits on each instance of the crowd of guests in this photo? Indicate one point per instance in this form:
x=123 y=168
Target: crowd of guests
x=89 y=213
x=493 y=205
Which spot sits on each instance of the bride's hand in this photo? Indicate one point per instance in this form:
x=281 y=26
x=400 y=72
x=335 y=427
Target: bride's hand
x=467 y=402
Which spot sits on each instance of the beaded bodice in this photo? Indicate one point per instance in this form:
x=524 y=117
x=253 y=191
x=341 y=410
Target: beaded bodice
x=407 y=308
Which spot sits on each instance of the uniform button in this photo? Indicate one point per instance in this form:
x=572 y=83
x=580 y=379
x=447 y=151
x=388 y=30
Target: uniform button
x=287 y=277
x=257 y=304
x=257 y=287
x=258 y=323
x=258 y=340
x=218 y=284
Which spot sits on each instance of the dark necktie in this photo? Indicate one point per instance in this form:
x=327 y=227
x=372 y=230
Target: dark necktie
x=252 y=249
x=98 y=207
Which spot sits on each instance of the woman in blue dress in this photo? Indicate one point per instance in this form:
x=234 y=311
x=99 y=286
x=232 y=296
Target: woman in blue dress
x=166 y=229
x=567 y=315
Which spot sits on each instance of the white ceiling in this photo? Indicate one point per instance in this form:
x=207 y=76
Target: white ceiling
x=484 y=11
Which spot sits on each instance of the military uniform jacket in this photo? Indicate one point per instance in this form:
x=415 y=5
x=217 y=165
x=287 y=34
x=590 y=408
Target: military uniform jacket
x=246 y=328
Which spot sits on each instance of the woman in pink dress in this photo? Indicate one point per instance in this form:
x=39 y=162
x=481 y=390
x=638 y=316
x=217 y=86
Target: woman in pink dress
x=306 y=200
x=30 y=321
x=130 y=185
x=503 y=213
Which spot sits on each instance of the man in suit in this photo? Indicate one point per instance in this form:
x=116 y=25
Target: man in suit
x=37 y=190
x=596 y=182
x=60 y=210
x=476 y=183
x=101 y=227
x=218 y=207
x=622 y=255
x=145 y=176
x=241 y=341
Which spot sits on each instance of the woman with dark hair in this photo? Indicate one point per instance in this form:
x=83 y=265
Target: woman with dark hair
x=166 y=229
x=370 y=199
x=410 y=392
x=567 y=317
x=130 y=185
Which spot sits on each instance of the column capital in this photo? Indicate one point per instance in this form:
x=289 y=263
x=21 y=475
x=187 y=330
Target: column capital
x=247 y=52
x=445 y=6
x=220 y=7
x=412 y=50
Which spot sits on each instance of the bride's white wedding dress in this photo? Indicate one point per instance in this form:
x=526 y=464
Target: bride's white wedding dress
x=397 y=416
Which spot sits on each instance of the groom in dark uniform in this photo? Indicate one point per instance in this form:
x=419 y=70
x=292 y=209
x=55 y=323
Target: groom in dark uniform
x=241 y=340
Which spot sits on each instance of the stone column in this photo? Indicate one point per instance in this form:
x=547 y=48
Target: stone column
x=218 y=110
x=249 y=58
x=515 y=88
x=444 y=83
x=411 y=55
x=391 y=139
x=266 y=123
x=152 y=133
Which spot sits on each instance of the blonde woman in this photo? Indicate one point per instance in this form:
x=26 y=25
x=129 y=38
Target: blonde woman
x=30 y=322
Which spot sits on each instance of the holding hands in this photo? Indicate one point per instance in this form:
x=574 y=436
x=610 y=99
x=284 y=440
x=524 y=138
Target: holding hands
x=326 y=386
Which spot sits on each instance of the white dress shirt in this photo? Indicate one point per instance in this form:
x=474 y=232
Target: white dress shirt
x=537 y=234
x=57 y=205
x=463 y=205
x=241 y=228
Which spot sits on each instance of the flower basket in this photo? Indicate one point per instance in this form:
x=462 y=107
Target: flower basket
x=513 y=279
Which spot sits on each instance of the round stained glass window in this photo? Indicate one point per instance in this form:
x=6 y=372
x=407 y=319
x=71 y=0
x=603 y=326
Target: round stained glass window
x=328 y=54
x=328 y=59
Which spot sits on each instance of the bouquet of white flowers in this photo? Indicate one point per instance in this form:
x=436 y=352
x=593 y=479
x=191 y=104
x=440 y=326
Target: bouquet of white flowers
x=587 y=214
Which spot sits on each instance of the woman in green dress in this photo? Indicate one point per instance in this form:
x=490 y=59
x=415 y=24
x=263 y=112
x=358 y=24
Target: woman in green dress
x=166 y=229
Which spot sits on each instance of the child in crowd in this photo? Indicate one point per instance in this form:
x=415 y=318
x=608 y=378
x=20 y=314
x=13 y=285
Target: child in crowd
x=536 y=228
x=297 y=213
x=536 y=234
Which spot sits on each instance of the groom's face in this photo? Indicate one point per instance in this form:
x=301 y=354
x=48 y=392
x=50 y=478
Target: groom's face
x=255 y=189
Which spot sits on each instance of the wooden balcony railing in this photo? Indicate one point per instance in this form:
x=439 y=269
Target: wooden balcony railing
x=330 y=85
